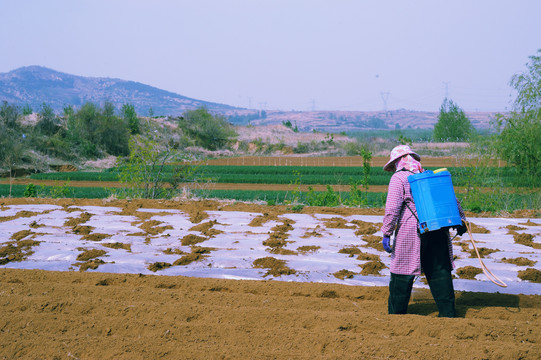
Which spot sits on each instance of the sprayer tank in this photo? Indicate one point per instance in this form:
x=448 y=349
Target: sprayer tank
x=435 y=200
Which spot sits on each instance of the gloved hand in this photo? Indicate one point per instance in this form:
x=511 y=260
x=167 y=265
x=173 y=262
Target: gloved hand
x=387 y=244
x=461 y=229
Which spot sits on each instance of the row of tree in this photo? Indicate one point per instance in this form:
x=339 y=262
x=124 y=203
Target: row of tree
x=94 y=131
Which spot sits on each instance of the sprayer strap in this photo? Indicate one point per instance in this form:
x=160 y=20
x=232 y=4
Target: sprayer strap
x=406 y=203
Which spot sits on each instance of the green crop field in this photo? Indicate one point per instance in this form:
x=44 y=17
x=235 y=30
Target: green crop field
x=491 y=202
x=313 y=175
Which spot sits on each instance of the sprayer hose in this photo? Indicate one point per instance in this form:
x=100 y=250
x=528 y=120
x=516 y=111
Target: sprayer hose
x=489 y=274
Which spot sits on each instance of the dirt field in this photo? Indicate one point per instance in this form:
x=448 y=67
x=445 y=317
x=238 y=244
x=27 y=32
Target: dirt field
x=91 y=315
x=72 y=315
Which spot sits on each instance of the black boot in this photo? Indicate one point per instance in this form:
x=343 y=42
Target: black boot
x=399 y=293
x=444 y=294
x=437 y=268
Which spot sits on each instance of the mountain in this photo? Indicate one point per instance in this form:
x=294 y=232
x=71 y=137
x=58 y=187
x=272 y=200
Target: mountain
x=35 y=85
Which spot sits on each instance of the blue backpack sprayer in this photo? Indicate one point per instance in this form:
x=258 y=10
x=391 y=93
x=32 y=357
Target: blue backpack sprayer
x=437 y=208
x=435 y=200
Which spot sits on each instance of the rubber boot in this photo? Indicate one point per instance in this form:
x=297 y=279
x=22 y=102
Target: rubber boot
x=437 y=268
x=444 y=295
x=399 y=293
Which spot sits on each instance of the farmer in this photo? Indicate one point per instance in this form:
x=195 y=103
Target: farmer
x=413 y=253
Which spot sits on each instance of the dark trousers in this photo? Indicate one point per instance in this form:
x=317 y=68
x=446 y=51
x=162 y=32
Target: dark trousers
x=437 y=269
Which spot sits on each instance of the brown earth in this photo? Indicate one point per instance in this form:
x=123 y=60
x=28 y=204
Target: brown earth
x=75 y=315
x=239 y=186
x=197 y=209
x=89 y=315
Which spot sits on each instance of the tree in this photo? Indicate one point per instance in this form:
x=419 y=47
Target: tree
x=82 y=128
x=93 y=130
x=130 y=116
x=9 y=114
x=27 y=109
x=519 y=138
x=47 y=124
x=452 y=125
x=11 y=150
x=112 y=133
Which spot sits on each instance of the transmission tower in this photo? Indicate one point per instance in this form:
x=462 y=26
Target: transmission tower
x=446 y=84
x=385 y=97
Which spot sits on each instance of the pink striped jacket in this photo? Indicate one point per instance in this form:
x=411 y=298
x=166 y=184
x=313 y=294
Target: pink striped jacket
x=406 y=255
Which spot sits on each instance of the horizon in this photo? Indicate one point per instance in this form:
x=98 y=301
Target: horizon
x=287 y=56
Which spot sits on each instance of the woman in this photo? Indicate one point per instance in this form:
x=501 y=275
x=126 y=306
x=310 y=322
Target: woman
x=413 y=253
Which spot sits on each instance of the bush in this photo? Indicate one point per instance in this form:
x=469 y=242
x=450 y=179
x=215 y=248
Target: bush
x=30 y=191
x=144 y=174
x=211 y=132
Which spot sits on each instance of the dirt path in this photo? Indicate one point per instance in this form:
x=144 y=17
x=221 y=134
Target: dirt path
x=72 y=315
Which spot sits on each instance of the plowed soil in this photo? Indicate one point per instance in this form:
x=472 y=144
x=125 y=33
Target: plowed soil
x=73 y=315
x=90 y=315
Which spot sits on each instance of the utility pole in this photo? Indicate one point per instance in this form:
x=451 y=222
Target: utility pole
x=313 y=105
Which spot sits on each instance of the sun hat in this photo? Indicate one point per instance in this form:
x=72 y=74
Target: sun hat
x=397 y=153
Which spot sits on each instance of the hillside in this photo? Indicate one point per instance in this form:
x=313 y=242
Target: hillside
x=338 y=121
x=35 y=85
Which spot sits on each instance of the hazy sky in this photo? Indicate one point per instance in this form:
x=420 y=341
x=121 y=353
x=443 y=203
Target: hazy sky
x=285 y=54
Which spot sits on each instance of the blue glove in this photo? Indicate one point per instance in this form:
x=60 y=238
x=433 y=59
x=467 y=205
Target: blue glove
x=387 y=244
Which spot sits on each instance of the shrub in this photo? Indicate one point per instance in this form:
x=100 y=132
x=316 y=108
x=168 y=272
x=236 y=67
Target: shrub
x=143 y=171
x=211 y=132
x=30 y=191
